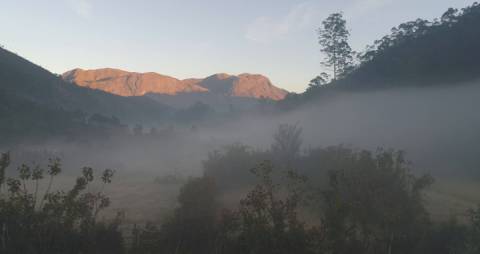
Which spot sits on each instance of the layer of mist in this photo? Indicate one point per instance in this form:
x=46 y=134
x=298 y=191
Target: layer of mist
x=437 y=127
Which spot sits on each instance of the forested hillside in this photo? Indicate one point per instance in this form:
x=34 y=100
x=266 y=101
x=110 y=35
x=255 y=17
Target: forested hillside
x=417 y=53
x=423 y=52
x=38 y=103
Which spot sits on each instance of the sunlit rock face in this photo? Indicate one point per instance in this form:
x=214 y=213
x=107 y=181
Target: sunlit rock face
x=130 y=83
x=125 y=83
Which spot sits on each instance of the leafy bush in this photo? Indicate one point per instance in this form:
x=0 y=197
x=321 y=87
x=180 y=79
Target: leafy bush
x=56 y=221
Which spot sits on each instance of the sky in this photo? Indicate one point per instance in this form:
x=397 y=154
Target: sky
x=197 y=38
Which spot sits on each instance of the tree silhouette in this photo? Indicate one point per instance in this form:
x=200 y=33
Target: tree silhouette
x=333 y=37
x=57 y=221
x=376 y=205
x=287 y=143
x=319 y=80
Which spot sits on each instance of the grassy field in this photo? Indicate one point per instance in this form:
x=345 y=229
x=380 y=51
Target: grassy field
x=143 y=199
x=452 y=197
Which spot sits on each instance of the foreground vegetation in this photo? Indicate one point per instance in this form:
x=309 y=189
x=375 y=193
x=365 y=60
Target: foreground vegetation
x=324 y=200
x=340 y=201
x=54 y=221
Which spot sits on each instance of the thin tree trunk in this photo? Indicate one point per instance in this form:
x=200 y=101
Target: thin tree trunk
x=35 y=195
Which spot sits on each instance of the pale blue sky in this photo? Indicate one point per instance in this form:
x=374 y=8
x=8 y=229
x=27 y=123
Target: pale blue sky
x=196 y=38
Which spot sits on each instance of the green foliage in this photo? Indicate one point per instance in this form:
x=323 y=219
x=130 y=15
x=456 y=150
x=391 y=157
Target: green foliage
x=424 y=51
x=267 y=218
x=369 y=202
x=57 y=221
x=319 y=80
x=230 y=167
x=375 y=206
x=193 y=227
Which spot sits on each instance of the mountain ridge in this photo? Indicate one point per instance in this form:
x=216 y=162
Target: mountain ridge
x=125 y=83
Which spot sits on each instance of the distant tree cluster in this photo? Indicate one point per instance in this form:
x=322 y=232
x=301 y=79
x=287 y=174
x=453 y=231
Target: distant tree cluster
x=22 y=120
x=196 y=112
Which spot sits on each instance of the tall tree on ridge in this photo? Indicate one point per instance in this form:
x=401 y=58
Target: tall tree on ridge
x=333 y=37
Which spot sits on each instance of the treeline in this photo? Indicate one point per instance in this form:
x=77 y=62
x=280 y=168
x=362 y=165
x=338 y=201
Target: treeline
x=423 y=52
x=22 y=121
x=26 y=121
x=415 y=53
x=279 y=200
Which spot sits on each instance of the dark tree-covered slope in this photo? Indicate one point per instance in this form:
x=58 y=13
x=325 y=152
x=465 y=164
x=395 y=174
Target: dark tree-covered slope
x=30 y=82
x=418 y=53
x=424 y=53
x=35 y=102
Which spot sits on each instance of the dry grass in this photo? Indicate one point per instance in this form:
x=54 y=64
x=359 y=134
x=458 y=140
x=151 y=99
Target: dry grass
x=144 y=200
x=452 y=197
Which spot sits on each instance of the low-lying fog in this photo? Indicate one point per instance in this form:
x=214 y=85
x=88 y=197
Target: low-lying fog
x=437 y=127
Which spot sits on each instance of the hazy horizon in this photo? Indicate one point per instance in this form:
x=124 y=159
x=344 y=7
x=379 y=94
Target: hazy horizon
x=190 y=39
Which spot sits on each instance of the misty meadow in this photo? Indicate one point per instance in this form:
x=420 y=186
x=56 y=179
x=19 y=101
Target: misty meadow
x=338 y=147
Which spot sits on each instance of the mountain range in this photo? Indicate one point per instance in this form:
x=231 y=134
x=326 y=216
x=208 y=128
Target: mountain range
x=35 y=101
x=126 y=83
x=39 y=103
